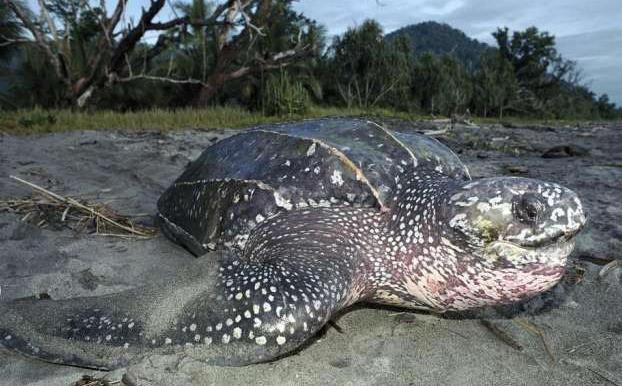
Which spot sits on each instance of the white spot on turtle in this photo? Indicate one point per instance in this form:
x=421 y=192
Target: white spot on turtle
x=311 y=150
x=260 y=340
x=282 y=202
x=483 y=207
x=280 y=340
x=457 y=219
x=336 y=178
x=495 y=200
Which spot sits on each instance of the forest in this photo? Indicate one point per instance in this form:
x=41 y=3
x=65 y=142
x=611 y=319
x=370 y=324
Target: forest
x=264 y=57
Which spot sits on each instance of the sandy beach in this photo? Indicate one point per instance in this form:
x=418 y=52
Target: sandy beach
x=571 y=335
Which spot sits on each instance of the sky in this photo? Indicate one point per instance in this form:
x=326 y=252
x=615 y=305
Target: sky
x=587 y=31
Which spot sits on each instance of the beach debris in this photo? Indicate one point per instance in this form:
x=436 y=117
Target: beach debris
x=535 y=330
x=46 y=207
x=433 y=133
x=516 y=169
x=334 y=325
x=574 y=275
x=88 y=380
x=609 y=267
x=501 y=334
x=594 y=259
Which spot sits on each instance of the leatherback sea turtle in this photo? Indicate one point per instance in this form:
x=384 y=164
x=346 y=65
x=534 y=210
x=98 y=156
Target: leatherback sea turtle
x=305 y=219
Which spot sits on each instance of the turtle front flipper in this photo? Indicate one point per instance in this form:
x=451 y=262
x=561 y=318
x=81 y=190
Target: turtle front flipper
x=241 y=311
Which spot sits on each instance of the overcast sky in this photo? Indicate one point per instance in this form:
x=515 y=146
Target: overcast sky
x=588 y=31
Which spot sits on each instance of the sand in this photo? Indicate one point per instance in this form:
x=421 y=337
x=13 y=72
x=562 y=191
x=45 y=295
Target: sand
x=580 y=320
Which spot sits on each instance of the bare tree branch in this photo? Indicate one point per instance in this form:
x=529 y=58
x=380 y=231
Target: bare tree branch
x=39 y=37
x=5 y=41
x=46 y=15
x=162 y=79
x=247 y=18
x=236 y=24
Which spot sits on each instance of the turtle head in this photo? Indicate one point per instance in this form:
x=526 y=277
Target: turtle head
x=517 y=233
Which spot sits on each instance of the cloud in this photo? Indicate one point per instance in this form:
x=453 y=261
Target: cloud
x=446 y=9
x=599 y=55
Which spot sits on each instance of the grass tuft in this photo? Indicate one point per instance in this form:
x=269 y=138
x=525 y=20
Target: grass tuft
x=39 y=121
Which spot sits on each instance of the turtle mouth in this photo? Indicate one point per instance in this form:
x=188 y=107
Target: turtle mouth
x=558 y=236
x=550 y=254
x=545 y=245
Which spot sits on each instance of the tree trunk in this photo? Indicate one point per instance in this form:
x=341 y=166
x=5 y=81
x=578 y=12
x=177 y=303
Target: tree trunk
x=206 y=94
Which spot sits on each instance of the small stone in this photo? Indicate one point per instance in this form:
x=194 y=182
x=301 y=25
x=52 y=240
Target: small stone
x=563 y=151
x=516 y=169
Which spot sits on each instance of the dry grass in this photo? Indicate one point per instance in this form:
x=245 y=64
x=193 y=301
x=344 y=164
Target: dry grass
x=45 y=208
x=88 y=380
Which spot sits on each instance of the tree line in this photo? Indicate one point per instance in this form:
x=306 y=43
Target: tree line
x=265 y=56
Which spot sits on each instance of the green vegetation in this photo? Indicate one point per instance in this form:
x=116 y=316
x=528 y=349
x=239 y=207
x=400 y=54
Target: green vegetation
x=367 y=70
x=268 y=62
x=441 y=39
x=39 y=121
x=283 y=96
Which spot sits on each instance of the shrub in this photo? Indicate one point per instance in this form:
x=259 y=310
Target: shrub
x=282 y=95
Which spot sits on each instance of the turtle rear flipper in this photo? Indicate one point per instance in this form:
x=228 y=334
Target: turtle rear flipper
x=240 y=312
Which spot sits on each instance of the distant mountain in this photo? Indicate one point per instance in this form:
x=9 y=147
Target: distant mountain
x=441 y=39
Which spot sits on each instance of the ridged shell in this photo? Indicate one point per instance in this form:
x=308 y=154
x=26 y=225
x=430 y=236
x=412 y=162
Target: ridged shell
x=243 y=179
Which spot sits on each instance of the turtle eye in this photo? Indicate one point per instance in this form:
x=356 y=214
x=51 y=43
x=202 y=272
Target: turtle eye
x=528 y=208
